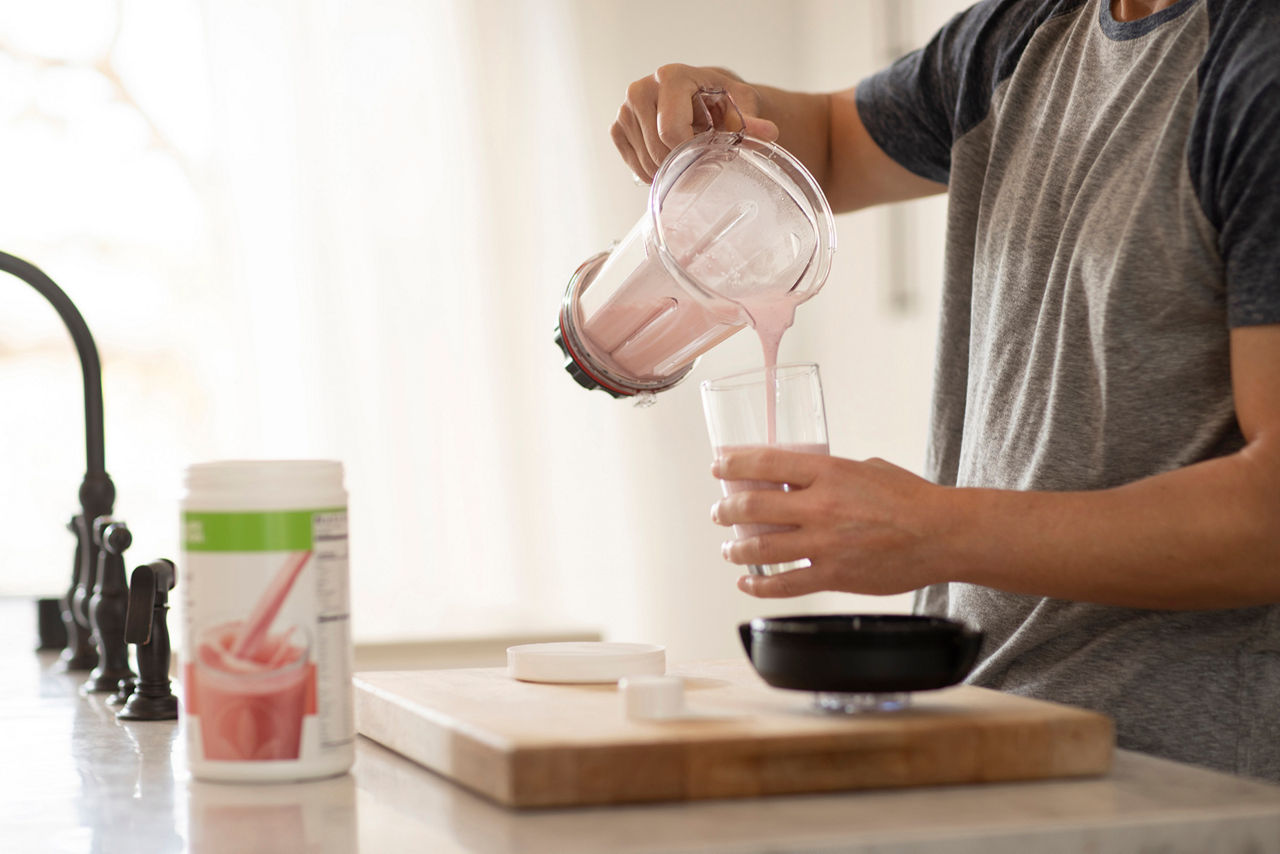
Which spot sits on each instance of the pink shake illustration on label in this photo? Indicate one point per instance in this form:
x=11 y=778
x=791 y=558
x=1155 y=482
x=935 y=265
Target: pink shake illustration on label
x=252 y=686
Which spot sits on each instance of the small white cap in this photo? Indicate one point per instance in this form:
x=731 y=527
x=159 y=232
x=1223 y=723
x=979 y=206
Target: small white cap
x=652 y=697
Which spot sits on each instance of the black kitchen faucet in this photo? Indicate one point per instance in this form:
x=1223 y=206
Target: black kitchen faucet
x=94 y=608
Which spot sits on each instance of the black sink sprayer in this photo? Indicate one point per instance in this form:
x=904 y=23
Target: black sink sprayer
x=96 y=608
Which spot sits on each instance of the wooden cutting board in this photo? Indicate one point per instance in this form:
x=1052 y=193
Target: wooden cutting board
x=536 y=745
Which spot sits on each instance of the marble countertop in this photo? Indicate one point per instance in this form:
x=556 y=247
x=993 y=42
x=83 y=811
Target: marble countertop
x=75 y=779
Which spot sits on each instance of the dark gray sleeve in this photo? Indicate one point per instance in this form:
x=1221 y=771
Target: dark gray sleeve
x=1234 y=153
x=918 y=107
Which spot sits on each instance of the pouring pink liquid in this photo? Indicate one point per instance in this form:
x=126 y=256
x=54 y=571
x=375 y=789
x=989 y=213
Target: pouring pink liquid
x=740 y=423
x=771 y=316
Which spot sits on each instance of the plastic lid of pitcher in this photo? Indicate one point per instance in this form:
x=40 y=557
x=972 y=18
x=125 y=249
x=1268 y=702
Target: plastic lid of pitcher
x=736 y=216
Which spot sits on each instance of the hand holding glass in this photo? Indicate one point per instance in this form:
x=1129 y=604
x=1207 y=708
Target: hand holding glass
x=739 y=409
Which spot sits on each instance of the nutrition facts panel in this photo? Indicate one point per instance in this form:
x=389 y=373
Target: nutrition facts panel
x=333 y=629
x=330 y=548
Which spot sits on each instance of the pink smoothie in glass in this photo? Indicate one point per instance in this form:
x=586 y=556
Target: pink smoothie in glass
x=250 y=707
x=771 y=316
x=729 y=487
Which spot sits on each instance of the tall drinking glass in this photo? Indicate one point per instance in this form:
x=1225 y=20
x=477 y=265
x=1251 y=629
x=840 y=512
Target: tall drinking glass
x=781 y=407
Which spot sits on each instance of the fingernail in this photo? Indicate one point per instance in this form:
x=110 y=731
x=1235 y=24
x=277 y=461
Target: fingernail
x=714 y=514
x=715 y=467
x=724 y=550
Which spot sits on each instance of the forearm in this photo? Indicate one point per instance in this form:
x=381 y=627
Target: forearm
x=1205 y=536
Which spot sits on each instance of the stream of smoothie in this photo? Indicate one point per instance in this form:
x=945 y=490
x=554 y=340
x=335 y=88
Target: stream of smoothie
x=771 y=316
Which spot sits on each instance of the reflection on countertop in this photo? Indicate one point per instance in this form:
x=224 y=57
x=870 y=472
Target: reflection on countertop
x=77 y=780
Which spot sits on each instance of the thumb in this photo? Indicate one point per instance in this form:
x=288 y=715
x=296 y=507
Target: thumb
x=760 y=128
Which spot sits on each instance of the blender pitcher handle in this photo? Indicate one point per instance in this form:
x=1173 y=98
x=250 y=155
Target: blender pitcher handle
x=712 y=94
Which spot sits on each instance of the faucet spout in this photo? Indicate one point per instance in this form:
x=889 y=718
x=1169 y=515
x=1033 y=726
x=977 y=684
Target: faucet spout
x=97 y=492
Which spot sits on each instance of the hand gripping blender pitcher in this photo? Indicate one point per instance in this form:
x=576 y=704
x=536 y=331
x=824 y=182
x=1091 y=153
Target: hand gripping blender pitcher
x=731 y=219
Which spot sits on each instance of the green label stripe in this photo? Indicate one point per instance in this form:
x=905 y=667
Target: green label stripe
x=283 y=531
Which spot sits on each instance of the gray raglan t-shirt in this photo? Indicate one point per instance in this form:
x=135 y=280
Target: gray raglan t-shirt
x=1114 y=211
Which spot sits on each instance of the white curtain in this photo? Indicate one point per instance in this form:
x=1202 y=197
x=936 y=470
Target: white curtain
x=404 y=186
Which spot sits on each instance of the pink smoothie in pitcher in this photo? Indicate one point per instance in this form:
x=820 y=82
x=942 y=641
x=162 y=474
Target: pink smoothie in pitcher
x=742 y=224
x=251 y=707
x=646 y=332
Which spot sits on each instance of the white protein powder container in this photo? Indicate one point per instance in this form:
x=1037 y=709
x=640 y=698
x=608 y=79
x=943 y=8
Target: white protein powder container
x=267 y=654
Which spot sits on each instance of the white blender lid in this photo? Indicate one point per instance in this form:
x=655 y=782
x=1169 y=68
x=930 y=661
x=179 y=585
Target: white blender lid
x=584 y=662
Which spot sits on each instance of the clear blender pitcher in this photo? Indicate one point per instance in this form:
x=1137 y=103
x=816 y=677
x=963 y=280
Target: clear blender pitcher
x=730 y=217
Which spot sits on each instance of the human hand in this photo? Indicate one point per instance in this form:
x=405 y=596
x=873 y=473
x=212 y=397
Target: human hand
x=659 y=114
x=866 y=527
